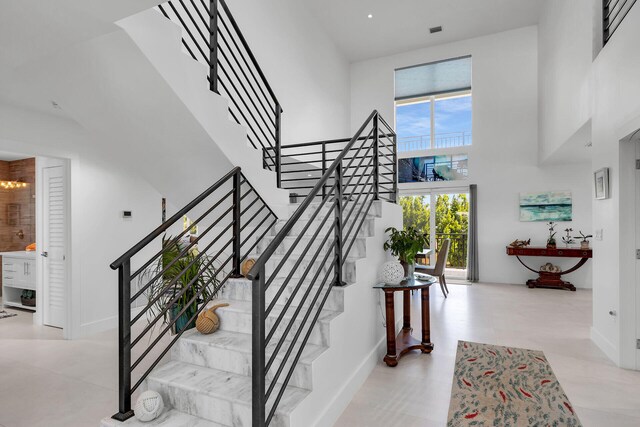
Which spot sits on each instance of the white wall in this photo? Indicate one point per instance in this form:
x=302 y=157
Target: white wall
x=616 y=113
x=99 y=190
x=565 y=44
x=504 y=157
x=307 y=72
x=607 y=92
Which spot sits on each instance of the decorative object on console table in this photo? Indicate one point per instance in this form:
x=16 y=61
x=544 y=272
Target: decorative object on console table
x=546 y=206
x=405 y=244
x=520 y=243
x=568 y=240
x=551 y=279
x=584 y=243
x=551 y=241
x=398 y=346
x=392 y=272
x=601 y=182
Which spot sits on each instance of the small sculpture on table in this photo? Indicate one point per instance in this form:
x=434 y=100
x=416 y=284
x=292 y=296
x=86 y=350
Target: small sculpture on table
x=520 y=243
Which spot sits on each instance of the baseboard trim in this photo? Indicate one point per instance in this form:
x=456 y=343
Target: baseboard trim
x=95 y=327
x=605 y=345
x=343 y=397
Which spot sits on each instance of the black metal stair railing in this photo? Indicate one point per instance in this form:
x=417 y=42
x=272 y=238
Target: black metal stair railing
x=303 y=164
x=613 y=13
x=212 y=36
x=327 y=222
x=167 y=280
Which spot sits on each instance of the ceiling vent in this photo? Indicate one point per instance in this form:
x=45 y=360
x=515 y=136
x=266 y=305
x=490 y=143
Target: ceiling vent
x=434 y=30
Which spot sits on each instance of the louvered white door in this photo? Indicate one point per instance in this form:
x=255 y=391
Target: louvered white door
x=54 y=247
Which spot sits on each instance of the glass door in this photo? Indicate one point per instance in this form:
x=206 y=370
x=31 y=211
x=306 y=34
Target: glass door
x=441 y=215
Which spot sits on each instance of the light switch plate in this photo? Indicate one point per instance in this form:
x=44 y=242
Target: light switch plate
x=599 y=234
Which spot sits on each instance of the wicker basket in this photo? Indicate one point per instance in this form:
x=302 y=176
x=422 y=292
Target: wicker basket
x=28 y=302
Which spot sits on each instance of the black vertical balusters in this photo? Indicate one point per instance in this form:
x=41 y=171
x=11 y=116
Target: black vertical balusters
x=124 y=342
x=258 y=379
x=237 y=195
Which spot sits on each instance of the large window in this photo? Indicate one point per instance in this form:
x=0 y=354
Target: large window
x=433 y=105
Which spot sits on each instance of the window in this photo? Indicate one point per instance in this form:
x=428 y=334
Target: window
x=433 y=168
x=433 y=105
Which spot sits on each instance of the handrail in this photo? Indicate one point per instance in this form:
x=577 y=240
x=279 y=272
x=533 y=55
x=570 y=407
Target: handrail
x=234 y=71
x=179 y=281
x=169 y=222
x=286 y=229
x=249 y=52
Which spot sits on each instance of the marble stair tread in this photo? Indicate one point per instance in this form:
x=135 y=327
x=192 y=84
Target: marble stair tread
x=169 y=418
x=239 y=342
x=216 y=395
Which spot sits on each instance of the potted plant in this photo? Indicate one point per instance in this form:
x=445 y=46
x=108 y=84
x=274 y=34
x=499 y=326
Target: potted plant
x=584 y=243
x=184 y=280
x=568 y=240
x=28 y=298
x=405 y=245
x=551 y=241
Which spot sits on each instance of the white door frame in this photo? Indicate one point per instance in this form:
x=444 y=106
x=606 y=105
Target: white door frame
x=629 y=288
x=41 y=163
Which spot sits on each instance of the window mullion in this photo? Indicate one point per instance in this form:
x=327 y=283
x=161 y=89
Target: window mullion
x=433 y=121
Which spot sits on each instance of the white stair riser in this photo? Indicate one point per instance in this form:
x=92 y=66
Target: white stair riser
x=359 y=249
x=211 y=408
x=285 y=270
x=367 y=229
x=238 y=362
x=374 y=210
x=238 y=321
x=241 y=291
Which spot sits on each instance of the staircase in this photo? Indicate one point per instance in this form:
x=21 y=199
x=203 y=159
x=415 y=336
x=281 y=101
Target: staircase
x=209 y=376
x=299 y=334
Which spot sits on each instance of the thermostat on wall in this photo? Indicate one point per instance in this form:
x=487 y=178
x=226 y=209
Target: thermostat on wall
x=127 y=214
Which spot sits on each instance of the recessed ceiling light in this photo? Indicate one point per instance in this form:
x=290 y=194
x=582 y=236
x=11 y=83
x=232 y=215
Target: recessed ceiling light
x=437 y=29
x=370 y=16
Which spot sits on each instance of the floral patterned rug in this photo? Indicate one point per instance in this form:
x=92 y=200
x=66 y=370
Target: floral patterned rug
x=506 y=386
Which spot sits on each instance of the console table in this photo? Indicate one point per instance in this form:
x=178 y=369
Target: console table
x=404 y=342
x=549 y=279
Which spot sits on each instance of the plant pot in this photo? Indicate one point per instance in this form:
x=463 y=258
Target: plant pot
x=28 y=302
x=182 y=324
x=584 y=245
x=409 y=269
x=551 y=245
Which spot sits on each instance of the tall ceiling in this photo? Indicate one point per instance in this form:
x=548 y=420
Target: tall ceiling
x=402 y=25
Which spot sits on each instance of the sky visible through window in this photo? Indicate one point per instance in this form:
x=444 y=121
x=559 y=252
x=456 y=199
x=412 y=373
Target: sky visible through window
x=452 y=115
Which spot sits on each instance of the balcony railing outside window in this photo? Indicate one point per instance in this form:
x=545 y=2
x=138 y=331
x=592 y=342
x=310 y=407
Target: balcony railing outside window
x=443 y=140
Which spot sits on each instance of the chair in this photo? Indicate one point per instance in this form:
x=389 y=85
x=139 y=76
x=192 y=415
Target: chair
x=438 y=270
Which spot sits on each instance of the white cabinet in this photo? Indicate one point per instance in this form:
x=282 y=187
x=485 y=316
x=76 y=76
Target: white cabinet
x=18 y=274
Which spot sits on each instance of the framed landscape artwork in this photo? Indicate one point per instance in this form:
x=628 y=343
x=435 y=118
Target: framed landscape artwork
x=546 y=206
x=601 y=182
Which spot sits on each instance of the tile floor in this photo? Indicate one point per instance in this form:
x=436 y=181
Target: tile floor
x=416 y=392
x=47 y=381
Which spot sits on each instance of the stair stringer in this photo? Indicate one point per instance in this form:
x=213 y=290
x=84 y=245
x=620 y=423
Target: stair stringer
x=160 y=40
x=357 y=336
